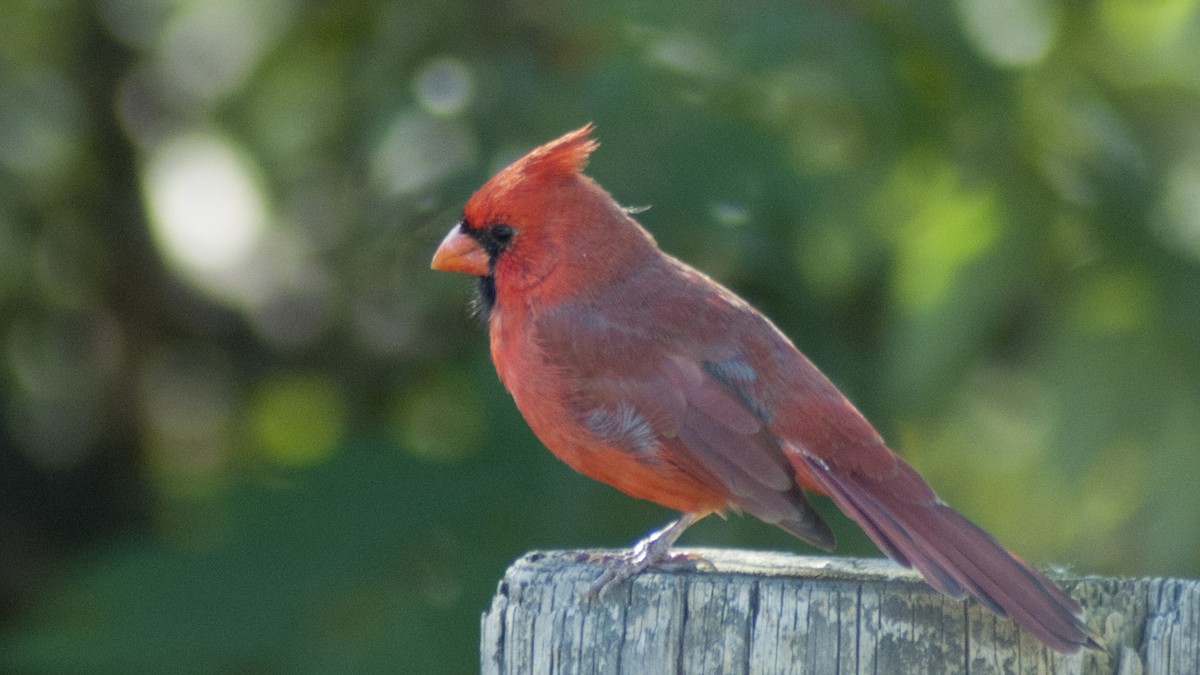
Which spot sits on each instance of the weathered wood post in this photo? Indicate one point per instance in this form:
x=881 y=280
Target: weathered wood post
x=777 y=613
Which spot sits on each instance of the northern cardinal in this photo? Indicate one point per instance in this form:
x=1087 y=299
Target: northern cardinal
x=641 y=372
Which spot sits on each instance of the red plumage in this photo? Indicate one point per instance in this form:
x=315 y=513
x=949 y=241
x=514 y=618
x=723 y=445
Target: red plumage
x=643 y=373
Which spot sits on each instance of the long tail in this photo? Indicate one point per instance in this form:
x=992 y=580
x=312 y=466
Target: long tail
x=907 y=521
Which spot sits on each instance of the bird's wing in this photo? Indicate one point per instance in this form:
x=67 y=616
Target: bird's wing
x=632 y=386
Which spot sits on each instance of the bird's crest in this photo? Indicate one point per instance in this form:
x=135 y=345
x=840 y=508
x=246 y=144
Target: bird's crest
x=565 y=155
x=561 y=158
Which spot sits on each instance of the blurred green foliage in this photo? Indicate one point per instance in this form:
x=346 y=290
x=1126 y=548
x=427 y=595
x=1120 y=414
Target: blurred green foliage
x=245 y=429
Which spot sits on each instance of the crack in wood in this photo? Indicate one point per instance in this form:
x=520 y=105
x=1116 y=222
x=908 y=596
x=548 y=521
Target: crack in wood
x=768 y=613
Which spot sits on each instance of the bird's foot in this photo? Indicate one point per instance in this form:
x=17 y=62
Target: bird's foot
x=653 y=551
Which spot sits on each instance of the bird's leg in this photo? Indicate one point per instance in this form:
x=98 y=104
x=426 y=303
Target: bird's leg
x=650 y=551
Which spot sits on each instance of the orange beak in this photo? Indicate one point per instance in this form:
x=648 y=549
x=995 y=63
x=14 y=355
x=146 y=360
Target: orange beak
x=458 y=252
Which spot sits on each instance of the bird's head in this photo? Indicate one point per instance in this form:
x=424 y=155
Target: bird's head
x=537 y=214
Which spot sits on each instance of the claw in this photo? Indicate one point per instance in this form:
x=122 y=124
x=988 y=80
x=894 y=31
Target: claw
x=653 y=551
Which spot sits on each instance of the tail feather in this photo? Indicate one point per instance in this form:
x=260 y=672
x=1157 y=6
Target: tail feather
x=955 y=555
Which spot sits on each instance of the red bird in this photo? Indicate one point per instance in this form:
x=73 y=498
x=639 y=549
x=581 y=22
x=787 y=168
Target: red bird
x=643 y=373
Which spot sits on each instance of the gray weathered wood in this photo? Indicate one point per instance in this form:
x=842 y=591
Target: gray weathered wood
x=779 y=613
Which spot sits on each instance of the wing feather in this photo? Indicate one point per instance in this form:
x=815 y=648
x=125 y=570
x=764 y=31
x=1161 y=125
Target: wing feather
x=704 y=423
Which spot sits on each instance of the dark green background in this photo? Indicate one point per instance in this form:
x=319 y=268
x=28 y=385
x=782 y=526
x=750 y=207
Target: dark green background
x=273 y=442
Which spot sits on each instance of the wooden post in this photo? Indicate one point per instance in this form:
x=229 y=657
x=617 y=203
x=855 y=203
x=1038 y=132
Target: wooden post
x=778 y=613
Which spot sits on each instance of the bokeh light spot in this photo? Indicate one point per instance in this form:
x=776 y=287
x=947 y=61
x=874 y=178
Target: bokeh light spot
x=297 y=420
x=1115 y=485
x=206 y=203
x=61 y=367
x=1010 y=32
x=1146 y=25
x=444 y=86
x=208 y=48
x=440 y=421
x=686 y=54
x=136 y=22
x=419 y=150
x=40 y=114
x=729 y=213
x=1177 y=217
x=944 y=226
x=297 y=314
x=830 y=259
x=56 y=432
x=187 y=399
x=1116 y=302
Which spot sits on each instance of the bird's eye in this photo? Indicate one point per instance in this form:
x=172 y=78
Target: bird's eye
x=502 y=234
